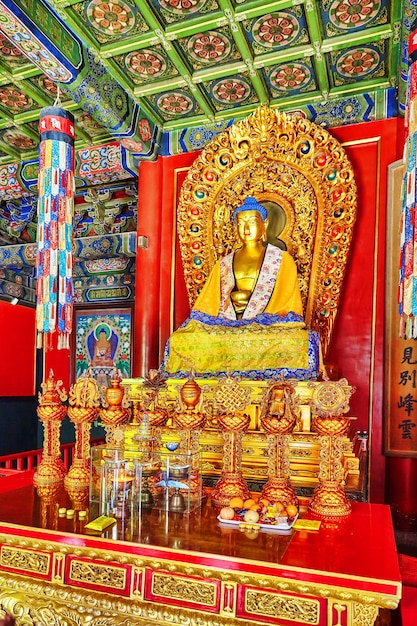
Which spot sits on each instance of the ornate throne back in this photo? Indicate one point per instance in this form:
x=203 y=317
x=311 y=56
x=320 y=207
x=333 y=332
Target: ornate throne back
x=303 y=177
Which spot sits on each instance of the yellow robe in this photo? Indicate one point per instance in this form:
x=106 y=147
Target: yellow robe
x=272 y=342
x=285 y=296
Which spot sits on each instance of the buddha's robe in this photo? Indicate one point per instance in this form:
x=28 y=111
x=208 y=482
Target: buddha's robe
x=269 y=340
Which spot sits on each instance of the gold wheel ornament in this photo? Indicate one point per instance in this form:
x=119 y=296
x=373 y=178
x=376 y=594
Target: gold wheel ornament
x=329 y=404
x=331 y=398
x=304 y=178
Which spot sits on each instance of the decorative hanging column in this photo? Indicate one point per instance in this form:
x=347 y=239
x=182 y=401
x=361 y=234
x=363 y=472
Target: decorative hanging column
x=54 y=290
x=408 y=267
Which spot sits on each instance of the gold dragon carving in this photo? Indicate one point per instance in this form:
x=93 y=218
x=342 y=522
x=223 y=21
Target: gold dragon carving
x=294 y=165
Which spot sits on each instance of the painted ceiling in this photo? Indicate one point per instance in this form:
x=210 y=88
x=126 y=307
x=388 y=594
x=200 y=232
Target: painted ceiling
x=150 y=77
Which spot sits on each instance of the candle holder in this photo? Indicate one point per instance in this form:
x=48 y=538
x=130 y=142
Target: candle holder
x=120 y=484
x=179 y=487
x=51 y=412
x=329 y=403
x=84 y=400
x=279 y=414
x=230 y=399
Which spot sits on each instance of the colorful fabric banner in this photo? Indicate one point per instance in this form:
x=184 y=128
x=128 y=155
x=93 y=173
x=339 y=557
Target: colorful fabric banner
x=54 y=290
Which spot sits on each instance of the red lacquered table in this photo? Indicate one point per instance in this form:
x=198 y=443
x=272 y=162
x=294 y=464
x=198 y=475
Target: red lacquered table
x=169 y=568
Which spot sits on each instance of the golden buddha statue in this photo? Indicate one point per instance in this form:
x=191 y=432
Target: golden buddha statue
x=248 y=318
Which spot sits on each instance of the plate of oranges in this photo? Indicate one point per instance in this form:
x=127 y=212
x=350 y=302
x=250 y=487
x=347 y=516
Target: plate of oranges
x=271 y=516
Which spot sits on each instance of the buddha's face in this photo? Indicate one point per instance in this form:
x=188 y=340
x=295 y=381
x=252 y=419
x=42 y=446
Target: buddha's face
x=250 y=226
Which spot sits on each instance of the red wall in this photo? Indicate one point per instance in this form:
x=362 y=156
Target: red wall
x=357 y=349
x=17 y=350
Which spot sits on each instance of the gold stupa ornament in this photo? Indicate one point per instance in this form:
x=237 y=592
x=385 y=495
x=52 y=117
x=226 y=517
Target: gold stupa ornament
x=279 y=414
x=329 y=404
x=115 y=412
x=51 y=411
x=304 y=178
x=188 y=417
x=84 y=402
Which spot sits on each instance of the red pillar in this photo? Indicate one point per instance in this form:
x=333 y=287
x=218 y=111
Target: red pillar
x=401 y=491
x=147 y=298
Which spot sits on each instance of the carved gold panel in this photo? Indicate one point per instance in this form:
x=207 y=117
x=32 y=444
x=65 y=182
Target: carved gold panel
x=282 y=606
x=36 y=562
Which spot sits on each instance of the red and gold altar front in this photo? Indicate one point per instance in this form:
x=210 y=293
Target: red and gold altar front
x=174 y=568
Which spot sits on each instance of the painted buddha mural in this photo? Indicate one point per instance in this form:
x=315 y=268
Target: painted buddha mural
x=248 y=318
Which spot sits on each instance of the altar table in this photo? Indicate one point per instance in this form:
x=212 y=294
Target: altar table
x=186 y=569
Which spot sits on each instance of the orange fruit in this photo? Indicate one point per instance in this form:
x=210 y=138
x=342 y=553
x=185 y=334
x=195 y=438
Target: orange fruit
x=248 y=503
x=264 y=501
x=255 y=507
x=236 y=502
x=292 y=510
x=279 y=506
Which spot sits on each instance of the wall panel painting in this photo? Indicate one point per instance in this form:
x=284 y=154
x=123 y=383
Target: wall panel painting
x=401 y=353
x=103 y=339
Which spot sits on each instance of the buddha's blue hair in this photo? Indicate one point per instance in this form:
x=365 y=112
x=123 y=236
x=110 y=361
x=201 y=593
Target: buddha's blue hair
x=251 y=204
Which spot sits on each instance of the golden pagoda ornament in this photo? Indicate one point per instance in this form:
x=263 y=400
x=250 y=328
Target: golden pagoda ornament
x=115 y=412
x=51 y=411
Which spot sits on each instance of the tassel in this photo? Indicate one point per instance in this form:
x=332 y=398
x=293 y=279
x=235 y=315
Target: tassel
x=55 y=224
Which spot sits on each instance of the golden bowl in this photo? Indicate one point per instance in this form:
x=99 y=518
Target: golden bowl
x=278 y=425
x=335 y=426
x=234 y=421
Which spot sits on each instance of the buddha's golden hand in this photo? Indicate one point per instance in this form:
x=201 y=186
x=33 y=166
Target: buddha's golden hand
x=240 y=299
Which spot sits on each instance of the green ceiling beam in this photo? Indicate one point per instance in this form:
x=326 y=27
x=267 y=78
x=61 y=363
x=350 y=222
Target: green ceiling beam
x=192 y=122
x=175 y=58
x=22 y=73
x=241 y=43
x=250 y=9
x=167 y=85
x=281 y=56
x=369 y=35
x=316 y=41
x=361 y=86
x=146 y=40
x=291 y=102
x=212 y=73
x=188 y=28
